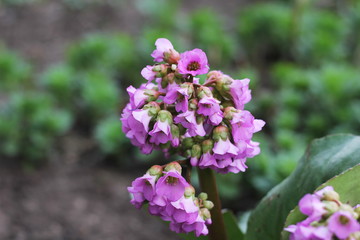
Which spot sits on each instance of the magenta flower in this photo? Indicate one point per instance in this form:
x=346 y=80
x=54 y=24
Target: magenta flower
x=199 y=226
x=342 y=224
x=161 y=132
x=311 y=206
x=188 y=120
x=148 y=73
x=209 y=106
x=142 y=189
x=143 y=117
x=240 y=93
x=162 y=46
x=193 y=62
x=243 y=125
x=179 y=95
x=171 y=185
x=183 y=210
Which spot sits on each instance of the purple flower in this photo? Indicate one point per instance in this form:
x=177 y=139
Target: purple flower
x=209 y=106
x=142 y=189
x=161 y=132
x=171 y=185
x=145 y=93
x=148 y=73
x=163 y=45
x=179 y=95
x=342 y=224
x=243 y=125
x=199 y=226
x=189 y=121
x=183 y=210
x=311 y=206
x=193 y=62
x=143 y=117
x=240 y=93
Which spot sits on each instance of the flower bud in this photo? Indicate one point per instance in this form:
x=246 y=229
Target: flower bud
x=203 y=92
x=196 y=151
x=189 y=191
x=187 y=143
x=229 y=112
x=164 y=116
x=171 y=56
x=220 y=132
x=153 y=108
x=203 y=196
x=189 y=87
x=173 y=67
x=208 y=204
x=173 y=166
x=207 y=145
x=205 y=213
x=155 y=170
x=193 y=104
x=331 y=207
x=330 y=196
x=169 y=78
x=152 y=95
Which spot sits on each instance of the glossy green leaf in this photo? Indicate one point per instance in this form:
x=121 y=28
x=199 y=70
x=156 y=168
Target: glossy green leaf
x=324 y=159
x=232 y=228
x=346 y=185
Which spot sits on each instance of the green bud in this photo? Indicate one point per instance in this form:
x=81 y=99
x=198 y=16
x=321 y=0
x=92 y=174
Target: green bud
x=165 y=115
x=229 y=112
x=357 y=210
x=208 y=204
x=173 y=166
x=155 y=170
x=189 y=191
x=187 y=143
x=164 y=83
x=205 y=213
x=203 y=196
x=196 y=151
x=170 y=78
x=153 y=108
x=171 y=56
x=331 y=196
x=193 y=104
x=189 y=87
x=203 y=92
x=220 y=132
x=175 y=131
x=331 y=207
x=207 y=145
x=156 y=68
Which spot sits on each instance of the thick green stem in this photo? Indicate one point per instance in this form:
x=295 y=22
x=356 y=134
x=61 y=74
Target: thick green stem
x=208 y=185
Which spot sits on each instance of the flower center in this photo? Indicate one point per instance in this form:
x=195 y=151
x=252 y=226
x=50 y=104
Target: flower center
x=193 y=66
x=172 y=180
x=343 y=220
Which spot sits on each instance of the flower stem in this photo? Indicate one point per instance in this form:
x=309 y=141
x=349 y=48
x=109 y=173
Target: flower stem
x=208 y=184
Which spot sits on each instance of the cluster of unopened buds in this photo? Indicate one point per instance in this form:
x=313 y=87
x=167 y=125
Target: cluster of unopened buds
x=172 y=198
x=205 y=123
x=327 y=218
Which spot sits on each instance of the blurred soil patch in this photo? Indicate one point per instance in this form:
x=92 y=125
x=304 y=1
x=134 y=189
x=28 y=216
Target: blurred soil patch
x=72 y=203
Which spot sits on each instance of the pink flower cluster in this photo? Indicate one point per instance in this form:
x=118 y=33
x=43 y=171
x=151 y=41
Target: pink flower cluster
x=327 y=218
x=172 y=198
x=174 y=113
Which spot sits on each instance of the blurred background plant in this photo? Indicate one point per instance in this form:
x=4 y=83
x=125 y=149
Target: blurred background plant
x=302 y=57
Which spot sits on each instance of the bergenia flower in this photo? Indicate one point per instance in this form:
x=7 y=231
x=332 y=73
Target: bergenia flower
x=163 y=45
x=161 y=132
x=142 y=189
x=189 y=121
x=179 y=95
x=193 y=62
x=240 y=93
x=148 y=73
x=342 y=224
x=172 y=186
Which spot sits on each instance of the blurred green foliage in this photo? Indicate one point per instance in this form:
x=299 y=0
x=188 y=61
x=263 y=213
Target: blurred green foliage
x=302 y=58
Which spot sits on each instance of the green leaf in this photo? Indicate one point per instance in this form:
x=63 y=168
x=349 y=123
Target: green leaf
x=324 y=159
x=345 y=184
x=232 y=228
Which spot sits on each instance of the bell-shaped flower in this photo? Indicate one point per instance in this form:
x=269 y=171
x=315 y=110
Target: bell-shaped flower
x=161 y=133
x=172 y=186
